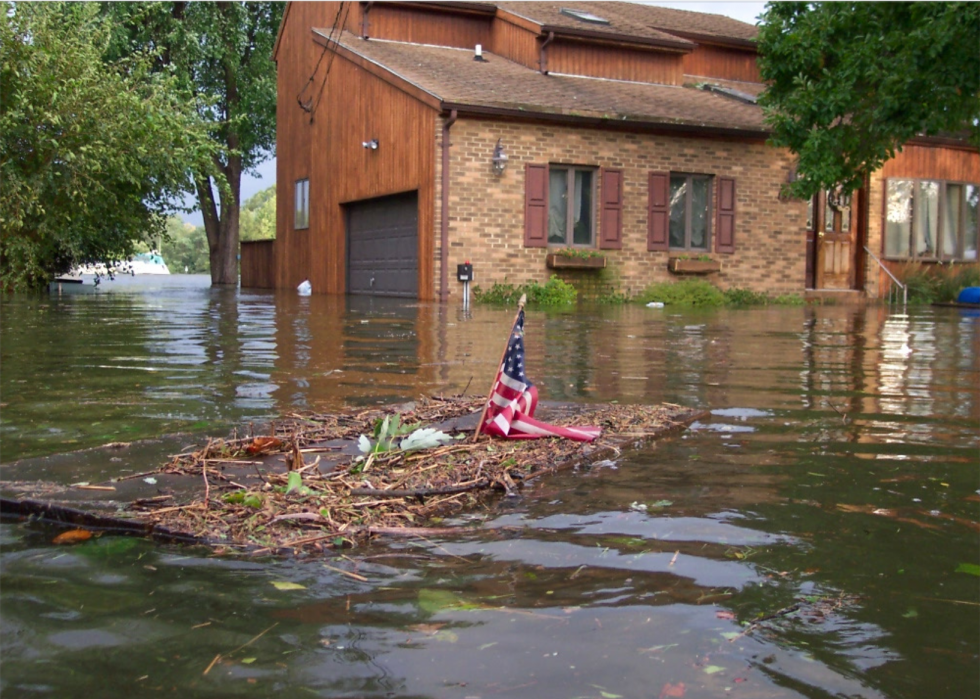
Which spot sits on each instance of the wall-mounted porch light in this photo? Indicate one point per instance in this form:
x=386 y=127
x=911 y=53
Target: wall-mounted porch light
x=499 y=158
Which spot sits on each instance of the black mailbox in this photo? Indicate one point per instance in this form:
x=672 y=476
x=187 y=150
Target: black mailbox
x=464 y=272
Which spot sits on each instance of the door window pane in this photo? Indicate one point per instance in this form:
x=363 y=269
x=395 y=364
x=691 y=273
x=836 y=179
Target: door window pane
x=971 y=221
x=700 y=191
x=558 y=206
x=898 y=224
x=582 y=208
x=951 y=219
x=926 y=212
x=678 y=211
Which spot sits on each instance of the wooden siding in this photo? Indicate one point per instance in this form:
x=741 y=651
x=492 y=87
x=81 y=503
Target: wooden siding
x=580 y=58
x=419 y=26
x=937 y=163
x=258 y=264
x=515 y=44
x=343 y=171
x=297 y=56
x=722 y=63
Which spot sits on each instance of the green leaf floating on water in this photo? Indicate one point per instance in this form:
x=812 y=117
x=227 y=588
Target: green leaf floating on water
x=285 y=585
x=971 y=568
x=433 y=601
x=712 y=669
x=106 y=546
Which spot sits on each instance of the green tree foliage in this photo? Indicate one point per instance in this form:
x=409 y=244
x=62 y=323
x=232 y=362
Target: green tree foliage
x=258 y=218
x=222 y=53
x=185 y=249
x=850 y=82
x=91 y=152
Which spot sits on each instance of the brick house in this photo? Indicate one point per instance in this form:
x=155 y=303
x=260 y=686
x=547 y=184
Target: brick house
x=415 y=136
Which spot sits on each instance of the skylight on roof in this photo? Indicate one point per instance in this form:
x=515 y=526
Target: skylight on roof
x=583 y=16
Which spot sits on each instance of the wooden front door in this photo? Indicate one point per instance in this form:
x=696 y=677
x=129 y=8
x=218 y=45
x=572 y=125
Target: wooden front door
x=834 y=243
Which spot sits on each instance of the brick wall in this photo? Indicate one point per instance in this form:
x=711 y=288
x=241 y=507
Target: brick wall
x=486 y=211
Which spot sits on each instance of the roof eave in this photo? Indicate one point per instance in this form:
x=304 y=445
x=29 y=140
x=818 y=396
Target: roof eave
x=610 y=37
x=727 y=41
x=467 y=109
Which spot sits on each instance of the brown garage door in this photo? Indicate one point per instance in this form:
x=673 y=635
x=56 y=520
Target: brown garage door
x=383 y=246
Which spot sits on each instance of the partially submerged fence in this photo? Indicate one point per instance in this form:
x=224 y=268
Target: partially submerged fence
x=258 y=264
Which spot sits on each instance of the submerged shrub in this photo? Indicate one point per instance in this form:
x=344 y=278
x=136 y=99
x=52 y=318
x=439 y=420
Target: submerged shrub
x=554 y=293
x=688 y=292
x=745 y=297
x=932 y=283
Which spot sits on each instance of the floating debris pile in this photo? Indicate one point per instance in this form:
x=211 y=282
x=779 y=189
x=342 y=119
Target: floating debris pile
x=313 y=481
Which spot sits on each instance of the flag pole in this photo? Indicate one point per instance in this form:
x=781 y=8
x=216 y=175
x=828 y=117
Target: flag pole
x=486 y=403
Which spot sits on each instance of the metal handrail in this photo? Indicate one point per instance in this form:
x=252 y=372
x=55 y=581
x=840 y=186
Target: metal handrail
x=905 y=289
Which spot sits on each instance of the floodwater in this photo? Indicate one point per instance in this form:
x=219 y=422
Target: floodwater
x=838 y=472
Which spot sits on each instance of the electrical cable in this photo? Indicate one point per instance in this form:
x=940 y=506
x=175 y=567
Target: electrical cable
x=307 y=106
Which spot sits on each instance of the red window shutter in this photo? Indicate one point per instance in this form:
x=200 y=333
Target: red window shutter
x=611 y=218
x=658 y=212
x=535 y=206
x=725 y=224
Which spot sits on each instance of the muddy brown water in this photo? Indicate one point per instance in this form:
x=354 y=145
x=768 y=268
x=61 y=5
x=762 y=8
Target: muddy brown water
x=839 y=471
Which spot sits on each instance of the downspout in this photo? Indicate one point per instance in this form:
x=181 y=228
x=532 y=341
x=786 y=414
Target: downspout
x=543 y=61
x=444 y=223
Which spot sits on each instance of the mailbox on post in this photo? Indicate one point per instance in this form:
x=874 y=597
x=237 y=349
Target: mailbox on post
x=464 y=273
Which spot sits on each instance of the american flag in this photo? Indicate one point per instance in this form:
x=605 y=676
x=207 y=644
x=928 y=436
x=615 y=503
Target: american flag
x=510 y=411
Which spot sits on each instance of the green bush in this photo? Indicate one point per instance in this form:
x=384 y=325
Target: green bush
x=698 y=292
x=583 y=253
x=688 y=292
x=940 y=283
x=555 y=293
x=613 y=296
x=745 y=297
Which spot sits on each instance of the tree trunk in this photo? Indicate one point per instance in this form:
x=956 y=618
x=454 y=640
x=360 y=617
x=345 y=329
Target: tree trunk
x=221 y=225
x=224 y=255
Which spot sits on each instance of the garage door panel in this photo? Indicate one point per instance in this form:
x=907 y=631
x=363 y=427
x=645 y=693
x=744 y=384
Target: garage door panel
x=382 y=246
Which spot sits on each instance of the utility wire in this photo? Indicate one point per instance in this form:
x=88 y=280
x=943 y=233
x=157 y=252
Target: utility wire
x=346 y=7
x=307 y=106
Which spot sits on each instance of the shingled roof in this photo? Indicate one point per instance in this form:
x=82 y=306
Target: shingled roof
x=451 y=77
x=635 y=19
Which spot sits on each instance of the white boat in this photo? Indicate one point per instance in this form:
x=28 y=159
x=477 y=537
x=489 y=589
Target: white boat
x=148 y=263
x=143 y=263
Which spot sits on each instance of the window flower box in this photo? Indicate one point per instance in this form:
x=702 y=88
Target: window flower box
x=684 y=265
x=559 y=261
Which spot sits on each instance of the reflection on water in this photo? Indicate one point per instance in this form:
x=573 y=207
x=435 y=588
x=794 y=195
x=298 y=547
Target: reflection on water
x=837 y=471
